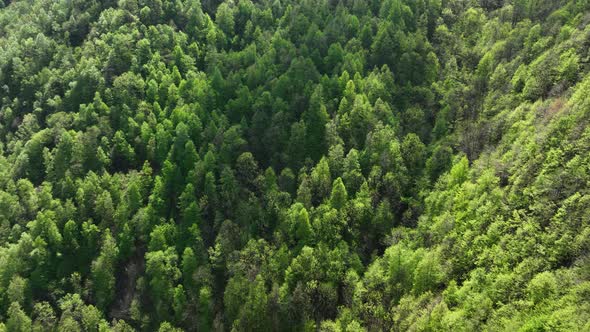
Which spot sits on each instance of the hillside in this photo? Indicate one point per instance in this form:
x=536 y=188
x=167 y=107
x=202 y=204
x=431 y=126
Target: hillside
x=312 y=165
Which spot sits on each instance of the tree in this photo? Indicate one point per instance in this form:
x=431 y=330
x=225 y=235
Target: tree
x=18 y=320
x=298 y=139
x=123 y=155
x=44 y=227
x=316 y=117
x=134 y=197
x=352 y=177
x=287 y=181
x=190 y=265
x=542 y=286
x=44 y=316
x=303 y=230
x=439 y=162
x=413 y=153
x=180 y=303
x=205 y=308
x=247 y=169
x=339 y=195
x=321 y=180
x=162 y=274
x=103 y=272
x=361 y=121
x=225 y=19
x=62 y=157
x=167 y=327
x=254 y=314
x=77 y=316
x=104 y=208
x=385 y=47
x=428 y=274
x=18 y=291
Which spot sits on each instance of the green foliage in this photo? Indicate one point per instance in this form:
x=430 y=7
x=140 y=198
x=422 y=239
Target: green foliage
x=303 y=231
x=542 y=286
x=103 y=272
x=162 y=272
x=18 y=320
x=339 y=196
x=294 y=165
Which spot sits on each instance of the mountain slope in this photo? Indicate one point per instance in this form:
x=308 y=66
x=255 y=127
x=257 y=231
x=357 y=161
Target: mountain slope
x=294 y=165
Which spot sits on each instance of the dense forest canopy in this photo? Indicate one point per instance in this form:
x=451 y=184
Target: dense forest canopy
x=310 y=165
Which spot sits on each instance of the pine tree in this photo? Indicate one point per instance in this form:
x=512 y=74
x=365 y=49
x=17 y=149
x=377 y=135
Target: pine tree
x=339 y=195
x=303 y=231
x=103 y=272
x=17 y=321
x=316 y=117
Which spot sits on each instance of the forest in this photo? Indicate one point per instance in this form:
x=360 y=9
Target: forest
x=294 y=165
